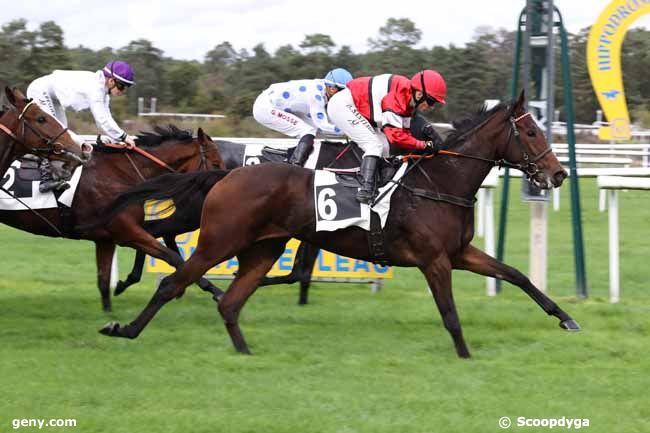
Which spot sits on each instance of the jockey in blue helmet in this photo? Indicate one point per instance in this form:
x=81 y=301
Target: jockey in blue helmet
x=297 y=108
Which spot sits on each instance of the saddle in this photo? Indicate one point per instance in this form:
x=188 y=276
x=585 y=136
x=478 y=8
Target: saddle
x=28 y=170
x=277 y=155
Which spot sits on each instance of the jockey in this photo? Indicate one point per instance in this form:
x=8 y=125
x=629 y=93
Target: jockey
x=80 y=90
x=297 y=109
x=376 y=112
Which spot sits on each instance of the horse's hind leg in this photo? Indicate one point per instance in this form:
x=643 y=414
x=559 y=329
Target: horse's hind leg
x=474 y=260
x=203 y=283
x=254 y=263
x=134 y=276
x=104 y=257
x=438 y=275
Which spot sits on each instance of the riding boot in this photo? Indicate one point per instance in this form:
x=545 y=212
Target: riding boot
x=368 y=167
x=48 y=183
x=302 y=150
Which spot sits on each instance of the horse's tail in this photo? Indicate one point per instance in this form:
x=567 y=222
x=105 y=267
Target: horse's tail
x=180 y=188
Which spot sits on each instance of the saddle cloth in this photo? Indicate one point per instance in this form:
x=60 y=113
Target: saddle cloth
x=23 y=183
x=336 y=205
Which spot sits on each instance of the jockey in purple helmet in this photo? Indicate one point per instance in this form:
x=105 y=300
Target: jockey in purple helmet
x=82 y=90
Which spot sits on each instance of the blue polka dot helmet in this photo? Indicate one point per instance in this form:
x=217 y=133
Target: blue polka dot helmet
x=338 y=77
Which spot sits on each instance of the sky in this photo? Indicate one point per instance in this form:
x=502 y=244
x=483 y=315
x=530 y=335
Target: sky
x=188 y=29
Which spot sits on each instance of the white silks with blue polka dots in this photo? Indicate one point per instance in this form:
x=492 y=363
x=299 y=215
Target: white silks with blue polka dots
x=295 y=108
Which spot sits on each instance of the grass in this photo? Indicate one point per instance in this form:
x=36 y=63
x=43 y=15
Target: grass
x=348 y=362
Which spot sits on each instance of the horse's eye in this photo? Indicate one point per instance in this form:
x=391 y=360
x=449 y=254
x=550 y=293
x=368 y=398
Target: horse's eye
x=531 y=133
x=41 y=119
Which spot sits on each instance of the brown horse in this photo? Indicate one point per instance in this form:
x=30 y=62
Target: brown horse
x=25 y=128
x=111 y=172
x=253 y=211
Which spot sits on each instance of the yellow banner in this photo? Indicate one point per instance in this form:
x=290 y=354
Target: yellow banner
x=604 y=62
x=328 y=265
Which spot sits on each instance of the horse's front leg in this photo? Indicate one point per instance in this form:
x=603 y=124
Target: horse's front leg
x=474 y=260
x=104 y=251
x=438 y=275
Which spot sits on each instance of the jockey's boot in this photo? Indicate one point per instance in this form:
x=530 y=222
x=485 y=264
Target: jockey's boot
x=368 y=167
x=302 y=150
x=48 y=183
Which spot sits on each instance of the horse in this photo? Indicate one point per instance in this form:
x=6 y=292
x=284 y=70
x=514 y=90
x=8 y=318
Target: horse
x=430 y=227
x=110 y=172
x=188 y=218
x=26 y=128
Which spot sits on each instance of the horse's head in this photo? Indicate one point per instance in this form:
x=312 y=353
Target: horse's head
x=34 y=131
x=210 y=152
x=528 y=147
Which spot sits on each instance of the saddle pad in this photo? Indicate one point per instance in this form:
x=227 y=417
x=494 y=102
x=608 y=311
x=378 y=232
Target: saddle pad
x=336 y=206
x=27 y=191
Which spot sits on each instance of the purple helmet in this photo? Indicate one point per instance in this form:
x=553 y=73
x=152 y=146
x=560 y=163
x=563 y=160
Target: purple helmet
x=121 y=71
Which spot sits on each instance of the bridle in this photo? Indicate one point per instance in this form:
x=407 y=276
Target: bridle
x=528 y=166
x=52 y=145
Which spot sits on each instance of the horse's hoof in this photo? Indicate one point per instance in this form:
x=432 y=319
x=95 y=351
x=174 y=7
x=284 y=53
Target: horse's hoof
x=119 y=288
x=112 y=329
x=570 y=325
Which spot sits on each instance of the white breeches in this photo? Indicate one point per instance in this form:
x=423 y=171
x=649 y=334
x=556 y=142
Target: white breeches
x=279 y=120
x=343 y=113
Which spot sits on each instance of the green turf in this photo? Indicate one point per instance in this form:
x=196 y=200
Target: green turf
x=348 y=362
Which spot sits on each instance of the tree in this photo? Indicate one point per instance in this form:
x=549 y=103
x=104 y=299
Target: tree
x=396 y=34
x=220 y=57
x=318 y=43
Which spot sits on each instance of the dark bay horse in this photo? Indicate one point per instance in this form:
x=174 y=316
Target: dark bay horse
x=25 y=128
x=109 y=173
x=252 y=213
x=188 y=218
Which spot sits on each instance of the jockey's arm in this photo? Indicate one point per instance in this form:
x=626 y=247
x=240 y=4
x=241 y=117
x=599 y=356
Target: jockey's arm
x=105 y=122
x=403 y=138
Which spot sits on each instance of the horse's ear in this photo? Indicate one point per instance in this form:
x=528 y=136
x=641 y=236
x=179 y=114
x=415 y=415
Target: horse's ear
x=10 y=95
x=521 y=101
x=202 y=136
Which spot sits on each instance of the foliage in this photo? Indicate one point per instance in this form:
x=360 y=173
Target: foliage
x=227 y=79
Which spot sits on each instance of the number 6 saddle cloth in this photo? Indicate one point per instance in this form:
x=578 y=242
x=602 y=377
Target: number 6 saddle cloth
x=336 y=206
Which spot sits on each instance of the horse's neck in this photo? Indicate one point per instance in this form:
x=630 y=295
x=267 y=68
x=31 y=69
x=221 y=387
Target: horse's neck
x=231 y=153
x=460 y=176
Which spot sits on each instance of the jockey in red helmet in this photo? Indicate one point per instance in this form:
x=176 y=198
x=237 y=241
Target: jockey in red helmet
x=376 y=112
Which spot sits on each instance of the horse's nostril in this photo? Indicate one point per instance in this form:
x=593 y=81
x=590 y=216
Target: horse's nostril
x=559 y=177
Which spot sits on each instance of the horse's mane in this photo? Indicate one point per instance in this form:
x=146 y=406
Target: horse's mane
x=161 y=134
x=153 y=139
x=463 y=126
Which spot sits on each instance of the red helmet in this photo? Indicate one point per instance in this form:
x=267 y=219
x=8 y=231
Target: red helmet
x=430 y=83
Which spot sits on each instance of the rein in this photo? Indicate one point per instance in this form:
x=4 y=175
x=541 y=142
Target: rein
x=528 y=167
x=47 y=221
x=144 y=153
